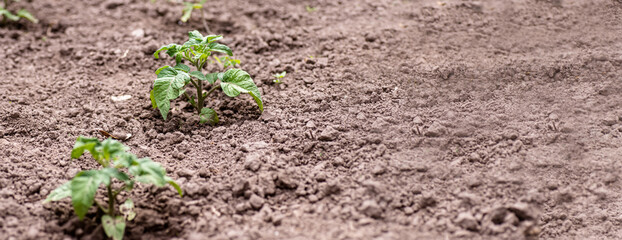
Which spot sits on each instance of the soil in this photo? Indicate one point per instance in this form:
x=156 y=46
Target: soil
x=396 y=120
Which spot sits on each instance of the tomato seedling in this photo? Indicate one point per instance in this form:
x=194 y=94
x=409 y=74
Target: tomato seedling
x=113 y=157
x=278 y=77
x=172 y=81
x=22 y=13
x=189 y=7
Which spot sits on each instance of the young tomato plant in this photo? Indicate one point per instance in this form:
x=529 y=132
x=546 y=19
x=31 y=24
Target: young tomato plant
x=189 y=7
x=172 y=81
x=112 y=156
x=22 y=13
x=278 y=77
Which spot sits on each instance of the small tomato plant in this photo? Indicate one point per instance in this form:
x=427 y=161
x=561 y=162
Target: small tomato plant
x=189 y=6
x=172 y=81
x=22 y=13
x=112 y=156
x=278 y=77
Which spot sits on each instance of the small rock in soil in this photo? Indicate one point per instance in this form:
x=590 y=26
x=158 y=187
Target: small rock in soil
x=256 y=202
x=524 y=211
x=240 y=187
x=467 y=221
x=187 y=173
x=329 y=134
x=371 y=209
x=252 y=162
x=610 y=121
x=284 y=181
x=435 y=130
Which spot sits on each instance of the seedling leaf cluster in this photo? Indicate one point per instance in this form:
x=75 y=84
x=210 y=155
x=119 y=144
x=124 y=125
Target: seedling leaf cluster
x=15 y=16
x=199 y=51
x=117 y=164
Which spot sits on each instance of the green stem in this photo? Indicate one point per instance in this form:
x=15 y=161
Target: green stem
x=194 y=104
x=211 y=91
x=111 y=199
x=204 y=21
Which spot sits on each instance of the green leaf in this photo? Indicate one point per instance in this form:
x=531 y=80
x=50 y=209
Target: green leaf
x=85 y=144
x=212 y=77
x=199 y=75
x=164 y=48
x=114 y=227
x=111 y=148
x=187 y=11
x=59 y=193
x=236 y=81
x=115 y=173
x=213 y=38
x=152 y=98
x=168 y=86
x=8 y=15
x=280 y=75
x=147 y=171
x=195 y=35
x=182 y=67
x=25 y=14
x=127 y=209
x=175 y=185
x=83 y=188
x=217 y=47
x=157 y=72
x=208 y=115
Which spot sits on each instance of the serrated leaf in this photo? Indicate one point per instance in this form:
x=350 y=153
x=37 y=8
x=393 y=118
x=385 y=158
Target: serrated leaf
x=111 y=148
x=85 y=144
x=173 y=48
x=83 y=189
x=182 y=67
x=157 y=72
x=127 y=209
x=114 y=227
x=208 y=115
x=25 y=14
x=213 y=38
x=114 y=173
x=236 y=81
x=152 y=98
x=147 y=171
x=217 y=47
x=199 y=75
x=168 y=86
x=175 y=185
x=212 y=77
x=59 y=193
x=195 y=35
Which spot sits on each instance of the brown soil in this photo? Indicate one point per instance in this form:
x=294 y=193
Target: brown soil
x=397 y=119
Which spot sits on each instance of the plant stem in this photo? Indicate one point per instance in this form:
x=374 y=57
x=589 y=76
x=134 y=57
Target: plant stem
x=207 y=31
x=111 y=198
x=211 y=90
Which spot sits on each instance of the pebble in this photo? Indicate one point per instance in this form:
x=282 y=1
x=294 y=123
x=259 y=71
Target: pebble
x=240 y=187
x=256 y=202
x=379 y=170
x=371 y=209
x=435 y=130
x=187 y=173
x=610 y=121
x=467 y=221
x=252 y=162
x=329 y=134
x=284 y=181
